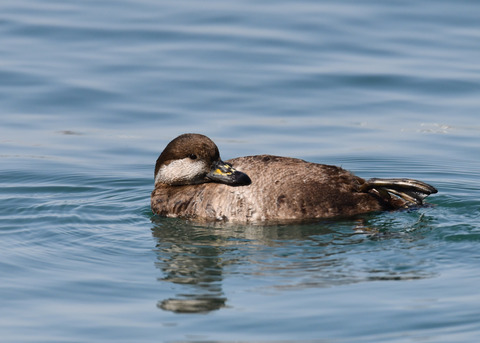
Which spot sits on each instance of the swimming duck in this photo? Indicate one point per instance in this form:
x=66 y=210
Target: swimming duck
x=192 y=182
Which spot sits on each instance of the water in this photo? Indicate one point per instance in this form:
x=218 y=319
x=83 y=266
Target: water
x=92 y=91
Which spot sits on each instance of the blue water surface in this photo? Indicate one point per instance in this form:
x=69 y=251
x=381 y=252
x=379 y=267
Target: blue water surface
x=92 y=91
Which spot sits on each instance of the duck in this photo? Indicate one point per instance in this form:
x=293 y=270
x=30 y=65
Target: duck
x=192 y=182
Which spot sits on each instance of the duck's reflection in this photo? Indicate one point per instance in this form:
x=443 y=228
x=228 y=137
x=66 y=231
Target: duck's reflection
x=194 y=258
x=186 y=258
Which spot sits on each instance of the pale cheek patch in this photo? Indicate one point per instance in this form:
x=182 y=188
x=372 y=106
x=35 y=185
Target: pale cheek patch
x=184 y=171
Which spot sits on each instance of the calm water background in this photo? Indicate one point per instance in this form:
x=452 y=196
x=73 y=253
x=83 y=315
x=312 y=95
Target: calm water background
x=90 y=93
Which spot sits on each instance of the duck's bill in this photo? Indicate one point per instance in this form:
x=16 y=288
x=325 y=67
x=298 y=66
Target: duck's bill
x=224 y=173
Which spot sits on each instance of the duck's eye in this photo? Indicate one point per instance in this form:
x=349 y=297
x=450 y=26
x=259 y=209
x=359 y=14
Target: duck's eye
x=193 y=156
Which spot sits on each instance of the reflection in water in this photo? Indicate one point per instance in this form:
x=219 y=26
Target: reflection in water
x=197 y=259
x=188 y=258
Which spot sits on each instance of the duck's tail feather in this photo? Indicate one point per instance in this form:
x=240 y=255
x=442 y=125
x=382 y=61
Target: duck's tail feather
x=412 y=191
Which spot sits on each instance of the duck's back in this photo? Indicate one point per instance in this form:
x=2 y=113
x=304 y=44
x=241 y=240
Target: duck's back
x=282 y=188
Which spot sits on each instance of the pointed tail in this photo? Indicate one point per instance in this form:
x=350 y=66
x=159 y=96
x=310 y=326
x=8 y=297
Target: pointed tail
x=412 y=191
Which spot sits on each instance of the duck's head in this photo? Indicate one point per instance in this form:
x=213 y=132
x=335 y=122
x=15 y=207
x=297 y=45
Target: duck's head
x=192 y=159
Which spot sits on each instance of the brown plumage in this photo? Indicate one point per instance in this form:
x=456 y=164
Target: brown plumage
x=192 y=182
